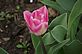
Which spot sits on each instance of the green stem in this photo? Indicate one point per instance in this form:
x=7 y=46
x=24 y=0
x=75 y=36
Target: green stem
x=42 y=45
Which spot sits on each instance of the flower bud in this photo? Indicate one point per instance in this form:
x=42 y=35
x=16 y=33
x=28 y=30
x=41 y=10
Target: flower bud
x=37 y=21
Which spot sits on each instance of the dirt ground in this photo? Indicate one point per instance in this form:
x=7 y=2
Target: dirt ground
x=13 y=29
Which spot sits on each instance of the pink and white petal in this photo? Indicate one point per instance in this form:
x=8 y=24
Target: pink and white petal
x=36 y=22
x=44 y=27
x=44 y=12
x=36 y=14
x=42 y=30
x=27 y=17
x=46 y=24
x=35 y=29
x=42 y=9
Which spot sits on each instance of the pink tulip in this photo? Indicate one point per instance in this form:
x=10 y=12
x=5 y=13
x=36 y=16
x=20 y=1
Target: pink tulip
x=37 y=21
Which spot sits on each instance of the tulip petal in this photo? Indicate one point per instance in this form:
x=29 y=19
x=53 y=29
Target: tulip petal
x=46 y=24
x=36 y=22
x=43 y=29
x=36 y=14
x=44 y=11
x=27 y=17
x=36 y=29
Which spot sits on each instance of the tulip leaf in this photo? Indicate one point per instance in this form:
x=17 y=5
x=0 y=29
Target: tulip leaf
x=58 y=33
x=54 y=49
x=38 y=49
x=54 y=5
x=74 y=19
x=35 y=40
x=79 y=34
x=74 y=48
x=37 y=44
x=66 y=4
x=60 y=20
x=2 y=51
x=48 y=39
x=62 y=6
x=50 y=45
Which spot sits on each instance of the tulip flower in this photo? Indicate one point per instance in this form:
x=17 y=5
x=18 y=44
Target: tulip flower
x=37 y=21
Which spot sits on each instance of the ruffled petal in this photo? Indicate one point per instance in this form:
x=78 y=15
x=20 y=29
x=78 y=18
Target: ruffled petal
x=28 y=19
x=36 y=22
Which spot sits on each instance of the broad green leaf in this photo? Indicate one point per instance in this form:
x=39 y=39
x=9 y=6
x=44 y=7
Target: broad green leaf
x=2 y=51
x=58 y=33
x=74 y=48
x=54 y=49
x=74 y=19
x=38 y=49
x=60 y=20
x=61 y=51
x=37 y=44
x=54 y=5
x=50 y=45
x=79 y=34
x=66 y=4
x=35 y=40
x=48 y=39
x=73 y=29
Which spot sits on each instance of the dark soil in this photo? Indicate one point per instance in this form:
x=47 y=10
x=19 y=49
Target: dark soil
x=13 y=30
